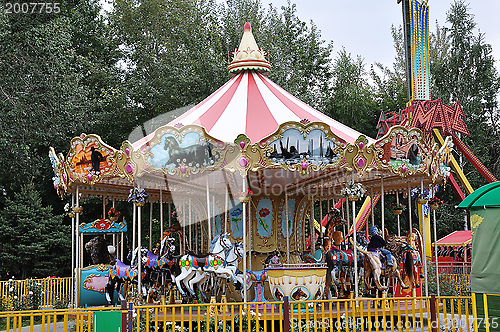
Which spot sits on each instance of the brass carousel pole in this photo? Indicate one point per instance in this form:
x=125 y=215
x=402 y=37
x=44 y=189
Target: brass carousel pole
x=287 y=230
x=161 y=214
x=382 y=205
x=355 y=256
x=139 y=244
x=371 y=209
x=409 y=209
x=312 y=236
x=226 y=209
x=134 y=220
x=399 y=223
x=190 y=228
x=73 y=283
x=77 y=245
x=321 y=220
x=250 y=234
x=436 y=250
x=150 y=226
x=244 y=242
x=208 y=214
x=348 y=218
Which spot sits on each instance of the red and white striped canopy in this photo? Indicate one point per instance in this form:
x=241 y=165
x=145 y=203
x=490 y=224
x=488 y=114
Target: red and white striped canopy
x=253 y=105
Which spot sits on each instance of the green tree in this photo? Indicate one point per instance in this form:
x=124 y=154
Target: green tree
x=33 y=242
x=467 y=73
x=462 y=68
x=389 y=85
x=351 y=99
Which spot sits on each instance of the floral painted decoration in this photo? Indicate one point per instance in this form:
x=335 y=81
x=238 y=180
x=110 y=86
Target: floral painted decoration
x=264 y=212
x=138 y=195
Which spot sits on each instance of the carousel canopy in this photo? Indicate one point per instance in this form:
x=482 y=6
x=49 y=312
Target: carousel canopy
x=253 y=127
x=252 y=104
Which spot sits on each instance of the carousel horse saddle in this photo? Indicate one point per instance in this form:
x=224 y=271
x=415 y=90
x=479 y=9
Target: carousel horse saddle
x=380 y=255
x=202 y=262
x=194 y=254
x=257 y=276
x=318 y=257
x=153 y=260
x=122 y=270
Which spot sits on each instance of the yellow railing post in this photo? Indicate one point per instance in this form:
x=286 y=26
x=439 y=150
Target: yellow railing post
x=486 y=319
x=474 y=311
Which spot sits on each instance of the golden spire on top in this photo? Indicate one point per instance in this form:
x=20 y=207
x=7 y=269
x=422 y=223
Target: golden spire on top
x=248 y=56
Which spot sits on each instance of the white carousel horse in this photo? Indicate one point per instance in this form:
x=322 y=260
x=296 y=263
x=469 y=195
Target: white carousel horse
x=232 y=255
x=215 y=262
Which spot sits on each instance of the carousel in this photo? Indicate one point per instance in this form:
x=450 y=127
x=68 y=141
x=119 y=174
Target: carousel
x=248 y=172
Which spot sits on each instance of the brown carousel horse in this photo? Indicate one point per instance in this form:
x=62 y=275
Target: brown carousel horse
x=401 y=252
x=404 y=248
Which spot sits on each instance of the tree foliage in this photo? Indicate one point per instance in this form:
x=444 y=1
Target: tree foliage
x=32 y=240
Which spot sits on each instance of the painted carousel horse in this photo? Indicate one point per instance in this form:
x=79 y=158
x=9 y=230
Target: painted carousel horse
x=404 y=249
x=340 y=262
x=373 y=264
x=214 y=283
x=196 y=153
x=214 y=261
x=122 y=273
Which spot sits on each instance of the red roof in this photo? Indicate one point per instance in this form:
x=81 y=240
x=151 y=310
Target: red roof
x=456 y=238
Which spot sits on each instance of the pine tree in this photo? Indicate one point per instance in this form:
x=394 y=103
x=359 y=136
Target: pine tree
x=33 y=242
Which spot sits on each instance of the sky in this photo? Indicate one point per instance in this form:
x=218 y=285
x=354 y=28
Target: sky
x=363 y=27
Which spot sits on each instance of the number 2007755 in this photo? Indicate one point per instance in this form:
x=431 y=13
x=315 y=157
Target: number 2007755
x=32 y=8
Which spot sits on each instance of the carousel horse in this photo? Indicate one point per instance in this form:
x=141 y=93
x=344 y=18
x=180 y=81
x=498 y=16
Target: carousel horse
x=121 y=273
x=215 y=283
x=232 y=255
x=339 y=261
x=374 y=264
x=334 y=219
x=214 y=261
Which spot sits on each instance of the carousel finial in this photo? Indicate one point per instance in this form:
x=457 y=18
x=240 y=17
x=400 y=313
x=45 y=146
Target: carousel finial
x=248 y=56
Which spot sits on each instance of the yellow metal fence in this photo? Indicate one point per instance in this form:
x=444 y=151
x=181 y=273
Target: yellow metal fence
x=390 y=314
x=52 y=291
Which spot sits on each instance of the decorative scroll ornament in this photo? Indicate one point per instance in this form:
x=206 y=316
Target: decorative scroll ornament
x=359 y=157
x=405 y=151
x=124 y=161
x=103 y=226
x=90 y=160
x=301 y=147
x=60 y=178
x=179 y=151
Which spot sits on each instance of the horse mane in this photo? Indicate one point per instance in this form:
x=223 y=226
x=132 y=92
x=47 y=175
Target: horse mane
x=213 y=242
x=172 y=141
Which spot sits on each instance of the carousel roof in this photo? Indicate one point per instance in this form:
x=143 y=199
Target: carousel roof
x=252 y=126
x=457 y=238
x=252 y=104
